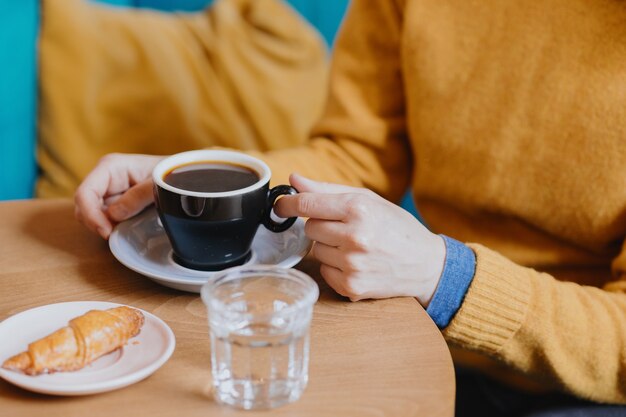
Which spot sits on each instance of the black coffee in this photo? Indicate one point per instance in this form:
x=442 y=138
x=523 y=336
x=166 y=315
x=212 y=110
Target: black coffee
x=211 y=177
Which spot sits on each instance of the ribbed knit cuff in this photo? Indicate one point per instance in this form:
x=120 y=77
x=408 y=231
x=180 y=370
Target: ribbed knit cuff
x=495 y=304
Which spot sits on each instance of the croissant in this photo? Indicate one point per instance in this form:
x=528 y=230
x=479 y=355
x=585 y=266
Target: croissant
x=87 y=337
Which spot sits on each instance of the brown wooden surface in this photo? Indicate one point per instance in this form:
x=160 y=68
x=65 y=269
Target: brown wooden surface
x=370 y=358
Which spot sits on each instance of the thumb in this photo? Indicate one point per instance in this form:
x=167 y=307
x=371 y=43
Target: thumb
x=132 y=201
x=306 y=185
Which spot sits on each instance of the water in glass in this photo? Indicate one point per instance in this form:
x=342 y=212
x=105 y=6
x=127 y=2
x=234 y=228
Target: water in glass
x=259 y=329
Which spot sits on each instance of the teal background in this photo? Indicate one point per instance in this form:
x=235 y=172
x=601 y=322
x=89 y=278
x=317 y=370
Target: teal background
x=19 y=25
x=18 y=35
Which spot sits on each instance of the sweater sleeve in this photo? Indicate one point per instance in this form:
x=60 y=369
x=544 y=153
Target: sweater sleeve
x=361 y=139
x=563 y=333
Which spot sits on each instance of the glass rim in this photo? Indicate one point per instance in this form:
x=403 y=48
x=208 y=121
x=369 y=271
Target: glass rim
x=243 y=271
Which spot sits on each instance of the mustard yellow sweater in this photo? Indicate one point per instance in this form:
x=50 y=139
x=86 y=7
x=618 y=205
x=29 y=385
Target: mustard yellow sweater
x=508 y=119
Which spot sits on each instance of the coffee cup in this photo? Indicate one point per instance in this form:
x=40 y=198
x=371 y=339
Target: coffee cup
x=211 y=203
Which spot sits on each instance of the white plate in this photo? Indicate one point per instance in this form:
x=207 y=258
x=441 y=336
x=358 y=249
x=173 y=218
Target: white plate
x=141 y=244
x=139 y=358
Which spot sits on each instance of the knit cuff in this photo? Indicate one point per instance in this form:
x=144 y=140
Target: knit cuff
x=495 y=304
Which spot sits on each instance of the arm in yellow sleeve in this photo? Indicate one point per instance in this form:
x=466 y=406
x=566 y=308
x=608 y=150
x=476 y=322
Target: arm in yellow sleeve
x=563 y=333
x=361 y=140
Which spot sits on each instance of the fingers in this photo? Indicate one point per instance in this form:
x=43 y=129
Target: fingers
x=88 y=201
x=338 y=207
x=334 y=278
x=327 y=232
x=368 y=247
x=320 y=200
x=132 y=201
x=328 y=255
x=107 y=184
x=121 y=207
x=318 y=206
x=88 y=211
x=306 y=185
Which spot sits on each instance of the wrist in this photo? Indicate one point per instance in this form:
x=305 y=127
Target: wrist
x=436 y=257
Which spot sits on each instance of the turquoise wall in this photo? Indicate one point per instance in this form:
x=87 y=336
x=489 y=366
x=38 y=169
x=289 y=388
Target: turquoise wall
x=325 y=15
x=18 y=36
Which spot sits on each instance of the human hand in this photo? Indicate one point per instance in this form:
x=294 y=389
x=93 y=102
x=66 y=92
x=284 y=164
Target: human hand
x=119 y=187
x=368 y=246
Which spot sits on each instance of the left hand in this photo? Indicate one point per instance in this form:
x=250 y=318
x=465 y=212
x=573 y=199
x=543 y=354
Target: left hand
x=368 y=246
x=119 y=187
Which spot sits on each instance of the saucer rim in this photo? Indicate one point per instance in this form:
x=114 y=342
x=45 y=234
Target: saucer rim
x=203 y=276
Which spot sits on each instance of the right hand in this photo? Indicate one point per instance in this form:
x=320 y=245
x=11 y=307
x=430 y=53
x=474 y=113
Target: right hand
x=119 y=187
x=368 y=247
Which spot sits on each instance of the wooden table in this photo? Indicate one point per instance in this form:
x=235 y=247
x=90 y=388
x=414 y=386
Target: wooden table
x=369 y=358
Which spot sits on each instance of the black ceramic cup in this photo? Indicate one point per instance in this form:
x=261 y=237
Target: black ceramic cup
x=214 y=230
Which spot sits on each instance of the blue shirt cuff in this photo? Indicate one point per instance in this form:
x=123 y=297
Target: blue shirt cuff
x=457 y=275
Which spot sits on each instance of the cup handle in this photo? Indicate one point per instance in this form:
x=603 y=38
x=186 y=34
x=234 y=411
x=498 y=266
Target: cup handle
x=273 y=194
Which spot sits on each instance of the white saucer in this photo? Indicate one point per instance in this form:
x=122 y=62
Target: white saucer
x=139 y=358
x=140 y=243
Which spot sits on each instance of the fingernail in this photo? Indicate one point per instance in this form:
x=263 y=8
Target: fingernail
x=104 y=232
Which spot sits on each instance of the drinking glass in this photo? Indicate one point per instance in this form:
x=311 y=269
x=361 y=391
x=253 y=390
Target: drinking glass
x=259 y=320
